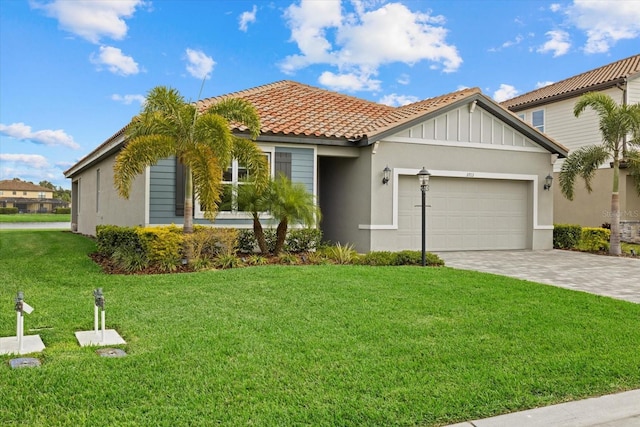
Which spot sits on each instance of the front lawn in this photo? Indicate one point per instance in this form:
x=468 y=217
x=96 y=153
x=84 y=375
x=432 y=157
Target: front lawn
x=302 y=345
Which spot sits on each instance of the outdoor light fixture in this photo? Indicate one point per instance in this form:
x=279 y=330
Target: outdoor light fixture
x=423 y=176
x=548 y=181
x=386 y=175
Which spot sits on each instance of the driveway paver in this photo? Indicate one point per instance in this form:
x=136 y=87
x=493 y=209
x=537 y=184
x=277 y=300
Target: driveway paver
x=616 y=277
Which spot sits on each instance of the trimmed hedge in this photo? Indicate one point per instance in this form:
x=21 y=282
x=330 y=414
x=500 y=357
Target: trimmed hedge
x=594 y=239
x=566 y=236
x=62 y=211
x=8 y=211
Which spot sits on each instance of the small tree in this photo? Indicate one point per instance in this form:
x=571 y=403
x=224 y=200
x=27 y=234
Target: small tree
x=617 y=124
x=289 y=203
x=202 y=141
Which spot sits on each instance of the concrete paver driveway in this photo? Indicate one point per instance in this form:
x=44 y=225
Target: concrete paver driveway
x=616 y=277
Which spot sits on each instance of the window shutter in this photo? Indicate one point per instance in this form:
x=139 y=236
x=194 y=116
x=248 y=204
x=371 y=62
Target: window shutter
x=283 y=164
x=180 y=179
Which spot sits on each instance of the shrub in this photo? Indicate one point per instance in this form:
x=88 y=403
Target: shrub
x=303 y=240
x=227 y=261
x=287 y=259
x=409 y=258
x=377 y=258
x=256 y=260
x=163 y=246
x=8 y=211
x=130 y=258
x=566 y=236
x=594 y=239
x=61 y=211
x=342 y=254
x=247 y=243
x=111 y=237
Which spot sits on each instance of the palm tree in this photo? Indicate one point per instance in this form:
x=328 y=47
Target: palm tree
x=252 y=200
x=202 y=141
x=289 y=203
x=617 y=123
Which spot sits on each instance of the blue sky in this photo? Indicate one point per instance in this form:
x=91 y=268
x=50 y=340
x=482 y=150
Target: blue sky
x=73 y=72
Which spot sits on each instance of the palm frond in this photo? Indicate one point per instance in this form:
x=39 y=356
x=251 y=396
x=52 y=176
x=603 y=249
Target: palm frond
x=213 y=131
x=583 y=162
x=207 y=178
x=239 y=111
x=602 y=104
x=250 y=155
x=140 y=152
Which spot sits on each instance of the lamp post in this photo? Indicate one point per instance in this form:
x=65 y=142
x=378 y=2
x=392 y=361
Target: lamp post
x=423 y=176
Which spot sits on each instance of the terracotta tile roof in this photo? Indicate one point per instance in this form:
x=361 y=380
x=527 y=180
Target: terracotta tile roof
x=295 y=109
x=11 y=185
x=605 y=76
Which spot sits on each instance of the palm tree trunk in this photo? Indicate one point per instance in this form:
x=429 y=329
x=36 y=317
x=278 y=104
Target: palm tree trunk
x=281 y=235
x=614 y=239
x=188 y=202
x=259 y=233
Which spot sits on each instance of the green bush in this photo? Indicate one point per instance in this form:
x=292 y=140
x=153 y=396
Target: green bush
x=566 y=236
x=8 y=211
x=163 y=246
x=342 y=254
x=594 y=239
x=377 y=258
x=111 y=237
x=247 y=241
x=130 y=259
x=60 y=211
x=303 y=240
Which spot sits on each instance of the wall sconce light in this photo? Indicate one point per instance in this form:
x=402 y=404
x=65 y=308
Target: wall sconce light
x=386 y=175
x=547 y=182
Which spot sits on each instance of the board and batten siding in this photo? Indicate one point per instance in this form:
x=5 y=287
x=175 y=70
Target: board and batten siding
x=460 y=125
x=302 y=160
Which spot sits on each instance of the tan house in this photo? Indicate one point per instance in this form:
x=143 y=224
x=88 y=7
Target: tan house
x=28 y=197
x=360 y=160
x=550 y=110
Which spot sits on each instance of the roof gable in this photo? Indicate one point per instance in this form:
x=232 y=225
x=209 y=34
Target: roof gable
x=603 y=77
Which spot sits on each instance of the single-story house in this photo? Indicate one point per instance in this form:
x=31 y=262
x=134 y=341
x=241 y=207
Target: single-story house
x=28 y=197
x=487 y=187
x=550 y=109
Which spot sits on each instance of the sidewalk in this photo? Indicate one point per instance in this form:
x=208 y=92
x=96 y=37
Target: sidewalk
x=615 y=410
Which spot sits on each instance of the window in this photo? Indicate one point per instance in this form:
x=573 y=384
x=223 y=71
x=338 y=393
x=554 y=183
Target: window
x=24 y=193
x=235 y=176
x=42 y=195
x=14 y=193
x=522 y=116
x=537 y=120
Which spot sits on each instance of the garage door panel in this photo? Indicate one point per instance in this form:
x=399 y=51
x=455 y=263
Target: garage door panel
x=465 y=214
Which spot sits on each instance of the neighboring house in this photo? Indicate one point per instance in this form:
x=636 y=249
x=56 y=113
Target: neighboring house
x=486 y=190
x=550 y=110
x=28 y=197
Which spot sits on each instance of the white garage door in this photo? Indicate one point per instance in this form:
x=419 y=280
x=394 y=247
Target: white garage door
x=464 y=214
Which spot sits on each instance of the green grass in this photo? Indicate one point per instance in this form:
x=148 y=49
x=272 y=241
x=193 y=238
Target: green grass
x=35 y=217
x=627 y=247
x=301 y=345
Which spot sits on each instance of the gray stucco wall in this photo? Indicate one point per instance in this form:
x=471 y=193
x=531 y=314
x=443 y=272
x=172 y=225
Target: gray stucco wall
x=101 y=204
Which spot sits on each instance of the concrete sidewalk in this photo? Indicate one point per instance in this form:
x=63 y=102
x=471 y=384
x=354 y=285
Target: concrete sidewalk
x=615 y=277
x=615 y=410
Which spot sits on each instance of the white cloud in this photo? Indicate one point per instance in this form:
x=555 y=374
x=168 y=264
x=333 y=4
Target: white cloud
x=247 y=18
x=605 y=22
x=115 y=61
x=91 y=19
x=395 y=100
x=35 y=161
x=505 y=92
x=558 y=43
x=49 y=137
x=543 y=84
x=404 y=79
x=348 y=81
x=357 y=44
x=200 y=65
x=128 y=99
x=555 y=7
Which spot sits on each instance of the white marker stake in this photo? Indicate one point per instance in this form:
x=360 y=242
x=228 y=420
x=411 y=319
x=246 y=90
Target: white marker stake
x=95 y=319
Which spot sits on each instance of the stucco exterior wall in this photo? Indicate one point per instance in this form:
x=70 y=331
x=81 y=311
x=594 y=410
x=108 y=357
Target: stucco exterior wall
x=99 y=203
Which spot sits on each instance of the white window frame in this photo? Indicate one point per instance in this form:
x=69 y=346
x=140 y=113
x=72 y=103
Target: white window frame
x=540 y=127
x=199 y=213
